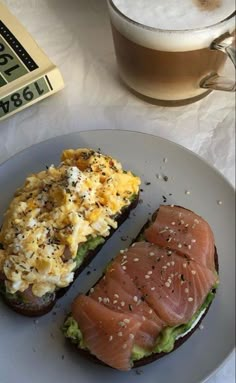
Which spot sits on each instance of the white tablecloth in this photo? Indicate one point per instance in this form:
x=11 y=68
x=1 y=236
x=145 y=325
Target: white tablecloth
x=76 y=36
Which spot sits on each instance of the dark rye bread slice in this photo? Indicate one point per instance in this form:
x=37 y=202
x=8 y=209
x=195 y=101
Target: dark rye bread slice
x=153 y=357
x=41 y=306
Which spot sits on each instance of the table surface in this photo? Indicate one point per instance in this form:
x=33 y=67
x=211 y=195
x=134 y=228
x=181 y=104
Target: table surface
x=76 y=36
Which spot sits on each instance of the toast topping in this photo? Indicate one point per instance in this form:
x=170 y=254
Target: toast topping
x=54 y=212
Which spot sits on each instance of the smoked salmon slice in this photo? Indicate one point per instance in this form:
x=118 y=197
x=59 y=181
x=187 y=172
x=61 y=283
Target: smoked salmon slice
x=108 y=335
x=117 y=291
x=173 y=286
x=182 y=230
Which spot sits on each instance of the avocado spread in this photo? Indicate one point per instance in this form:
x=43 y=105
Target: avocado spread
x=90 y=244
x=165 y=341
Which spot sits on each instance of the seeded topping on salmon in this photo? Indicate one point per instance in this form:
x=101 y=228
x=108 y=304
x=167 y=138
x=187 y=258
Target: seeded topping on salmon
x=109 y=335
x=172 y=286
x=182 y=230
x=117 y=291
x=151 y=286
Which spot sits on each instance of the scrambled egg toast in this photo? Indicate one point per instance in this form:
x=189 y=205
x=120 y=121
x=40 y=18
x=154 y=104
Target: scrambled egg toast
x=55 y=212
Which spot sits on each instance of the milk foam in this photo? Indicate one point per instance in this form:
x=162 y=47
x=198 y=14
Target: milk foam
x=176 y=14
x=182 y=26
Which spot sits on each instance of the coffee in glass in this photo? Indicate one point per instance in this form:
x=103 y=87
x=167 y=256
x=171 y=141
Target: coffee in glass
x=172 y=51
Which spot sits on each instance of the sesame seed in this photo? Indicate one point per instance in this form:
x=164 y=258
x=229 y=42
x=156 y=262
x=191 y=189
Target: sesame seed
x=124 y=267
x=180 y=215
x=166 y=227
x=126 y=320
x=186 y=225
x=150 y=272
x=133 y=244
x=114 y=302
x=179 y=245
x=169 y=252
x=162 y=231
x=167 y=284
x=91 y=290
x=120 y=333
x=172 y=205
x=106 y=300
x=147 y=276
x=182 y=222
x=136 y=259
x=193 y=226
x=189 y=247
x=169 y=239
x=164 y=267
x=122 y=304
x=99 y=299
x=168 y=263
x=186 y=290
x=193 y=272
x=110 y=338
x=131 y=336
x=193 y=240
x=190 y=299
x=151 y=254
x=150 y=311
x=122 y=324
x=185 y=265
x=173 y=223
x=153 y=288
x=144 y=318
x=172 y=263
x=116 y=296
x=122 y=251
x=135 y=298
x=196 y=221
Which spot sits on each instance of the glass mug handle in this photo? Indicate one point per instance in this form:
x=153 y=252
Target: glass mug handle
x=225 y=44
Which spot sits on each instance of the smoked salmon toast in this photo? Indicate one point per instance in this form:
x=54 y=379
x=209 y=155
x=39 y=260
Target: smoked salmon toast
x=152 y=296
x=57 y=222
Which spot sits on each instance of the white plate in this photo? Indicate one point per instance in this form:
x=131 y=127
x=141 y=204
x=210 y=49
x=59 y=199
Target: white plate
x=35 y=350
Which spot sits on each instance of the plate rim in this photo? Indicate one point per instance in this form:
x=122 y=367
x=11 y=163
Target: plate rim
x=189 y=151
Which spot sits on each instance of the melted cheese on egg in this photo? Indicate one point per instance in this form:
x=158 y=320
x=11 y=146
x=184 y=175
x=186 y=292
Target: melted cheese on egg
x=54 y=212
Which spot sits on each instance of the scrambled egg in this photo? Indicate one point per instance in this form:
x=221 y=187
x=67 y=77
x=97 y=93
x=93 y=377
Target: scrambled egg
x=54 y=212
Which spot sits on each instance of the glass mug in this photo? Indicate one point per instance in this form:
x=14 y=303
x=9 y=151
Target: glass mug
x=172 y=67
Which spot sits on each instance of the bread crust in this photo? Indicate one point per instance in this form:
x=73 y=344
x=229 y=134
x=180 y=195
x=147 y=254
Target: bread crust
x=153 y=357
x=31 y=310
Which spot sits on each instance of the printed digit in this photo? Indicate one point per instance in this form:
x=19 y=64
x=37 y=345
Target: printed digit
x=4 y=58
x=40 y=91
x=9 y=71
x=2 y=47
x=15 y=98
x=27 y=94
x=5 y=106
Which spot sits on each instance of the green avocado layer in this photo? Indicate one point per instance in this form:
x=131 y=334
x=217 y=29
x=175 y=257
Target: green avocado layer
x=90 y=244
x=165 y=341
